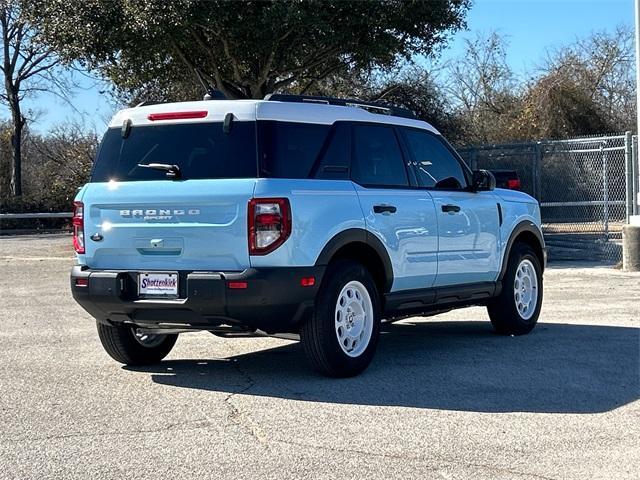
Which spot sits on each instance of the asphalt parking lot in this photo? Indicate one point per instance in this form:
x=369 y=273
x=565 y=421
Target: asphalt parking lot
x=444 y=398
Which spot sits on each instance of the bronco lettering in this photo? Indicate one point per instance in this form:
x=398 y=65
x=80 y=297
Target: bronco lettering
x=158 y=214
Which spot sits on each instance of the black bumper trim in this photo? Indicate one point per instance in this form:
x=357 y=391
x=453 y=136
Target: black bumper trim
x=274 y=301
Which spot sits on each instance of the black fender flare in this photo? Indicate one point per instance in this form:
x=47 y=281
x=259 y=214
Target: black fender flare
x=524 y=226
x=357 y=235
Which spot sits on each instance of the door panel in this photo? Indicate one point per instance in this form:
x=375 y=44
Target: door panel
x=409 y=233
x=468 y=243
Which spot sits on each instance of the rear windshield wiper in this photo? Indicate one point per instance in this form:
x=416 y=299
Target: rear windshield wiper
x=173 y=171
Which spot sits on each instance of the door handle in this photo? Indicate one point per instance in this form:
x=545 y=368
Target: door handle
x=384 y=209
x=450 y=208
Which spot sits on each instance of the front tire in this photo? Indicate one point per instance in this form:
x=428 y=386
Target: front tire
x=516 y=310
x=341 y=336
x=126 y=344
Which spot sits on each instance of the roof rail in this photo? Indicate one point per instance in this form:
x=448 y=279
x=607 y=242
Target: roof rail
x=373 y=107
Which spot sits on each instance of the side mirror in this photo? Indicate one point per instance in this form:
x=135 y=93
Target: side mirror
x=483 y=180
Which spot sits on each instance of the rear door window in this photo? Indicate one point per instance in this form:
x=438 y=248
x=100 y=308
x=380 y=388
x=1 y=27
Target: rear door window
x=200 y=150
x=435 y=165
x=289 y=150
x=335 y=159
x=377 y=158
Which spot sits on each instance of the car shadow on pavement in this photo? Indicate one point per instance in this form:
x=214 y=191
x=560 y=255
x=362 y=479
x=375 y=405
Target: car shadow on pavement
x=464 y=366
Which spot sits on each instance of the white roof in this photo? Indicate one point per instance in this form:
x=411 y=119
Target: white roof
x=248 y=110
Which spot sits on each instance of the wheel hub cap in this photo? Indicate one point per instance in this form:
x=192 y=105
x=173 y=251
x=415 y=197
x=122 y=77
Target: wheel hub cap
x=525 y=289
x=354 y=318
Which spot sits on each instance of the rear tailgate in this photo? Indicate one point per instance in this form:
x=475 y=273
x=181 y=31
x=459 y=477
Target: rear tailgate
x=167 y=225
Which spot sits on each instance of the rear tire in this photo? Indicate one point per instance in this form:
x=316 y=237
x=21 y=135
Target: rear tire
x=341 y=336
x=124 y=346
x=516 y=310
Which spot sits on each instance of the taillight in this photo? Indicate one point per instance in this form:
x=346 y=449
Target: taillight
x=513 y=184
x=269 y=221
x=78 y=227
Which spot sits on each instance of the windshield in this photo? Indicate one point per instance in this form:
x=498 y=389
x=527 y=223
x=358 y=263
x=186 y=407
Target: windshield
x=200 y=150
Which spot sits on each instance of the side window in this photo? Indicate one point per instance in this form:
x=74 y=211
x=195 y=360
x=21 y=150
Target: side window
x=435 y=165
x=335 y=161
x=289 y=150
x=377 y=158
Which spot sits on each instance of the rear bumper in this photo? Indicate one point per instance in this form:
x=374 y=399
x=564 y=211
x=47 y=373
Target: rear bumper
x=274 y=300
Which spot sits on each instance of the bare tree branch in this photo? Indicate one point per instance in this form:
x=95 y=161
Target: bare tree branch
x=27 y=67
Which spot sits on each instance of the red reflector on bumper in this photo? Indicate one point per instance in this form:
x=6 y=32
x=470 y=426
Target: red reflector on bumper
x=82 y=282
x=308 y=281
x=237 y=285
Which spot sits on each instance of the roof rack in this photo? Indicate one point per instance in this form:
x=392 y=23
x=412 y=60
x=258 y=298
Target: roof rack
x=373 y=107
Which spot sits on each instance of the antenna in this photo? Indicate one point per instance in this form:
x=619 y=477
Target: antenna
x=211 y=93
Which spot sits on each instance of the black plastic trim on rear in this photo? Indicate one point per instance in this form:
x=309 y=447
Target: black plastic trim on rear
x=274 y=299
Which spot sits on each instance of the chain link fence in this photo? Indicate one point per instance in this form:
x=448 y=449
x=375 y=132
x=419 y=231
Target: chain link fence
x=585 y=188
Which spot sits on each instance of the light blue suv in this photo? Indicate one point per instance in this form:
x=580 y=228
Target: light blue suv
x=290 y=216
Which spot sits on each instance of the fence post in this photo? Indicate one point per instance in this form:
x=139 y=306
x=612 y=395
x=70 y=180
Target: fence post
x=537 y=172
x=474 y=159
x=605 y=189
x=628 y=175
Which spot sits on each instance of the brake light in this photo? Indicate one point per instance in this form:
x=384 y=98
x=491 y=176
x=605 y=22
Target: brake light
x=78 y=227
x=513 y=184
x=177 y=115
x=269 y=224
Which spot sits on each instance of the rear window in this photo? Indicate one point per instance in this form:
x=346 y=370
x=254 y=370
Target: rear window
x=201 y=150
x=290 y=150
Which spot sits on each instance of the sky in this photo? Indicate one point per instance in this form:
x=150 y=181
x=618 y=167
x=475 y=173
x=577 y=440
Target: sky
x=531 y=27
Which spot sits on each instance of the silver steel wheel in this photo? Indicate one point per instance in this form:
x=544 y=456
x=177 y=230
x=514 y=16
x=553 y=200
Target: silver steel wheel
x=145 y=339
x=354 y=319
x=525 y=289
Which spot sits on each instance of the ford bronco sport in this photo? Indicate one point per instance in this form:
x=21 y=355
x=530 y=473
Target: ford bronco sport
x=293 y=215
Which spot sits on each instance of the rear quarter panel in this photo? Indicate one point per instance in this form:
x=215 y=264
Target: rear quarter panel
x=320 y=209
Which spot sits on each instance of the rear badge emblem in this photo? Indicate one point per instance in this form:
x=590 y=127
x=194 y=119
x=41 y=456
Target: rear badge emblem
x=96 y=237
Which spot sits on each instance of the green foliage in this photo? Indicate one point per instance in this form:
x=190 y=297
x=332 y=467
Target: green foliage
x=248 y=49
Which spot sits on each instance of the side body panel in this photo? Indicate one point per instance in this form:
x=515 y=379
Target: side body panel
x=469 y=238
x=410 y=234
x=320 y=210
x=517 y=207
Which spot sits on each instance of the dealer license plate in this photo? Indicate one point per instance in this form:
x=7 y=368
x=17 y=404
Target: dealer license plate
x=154 y=284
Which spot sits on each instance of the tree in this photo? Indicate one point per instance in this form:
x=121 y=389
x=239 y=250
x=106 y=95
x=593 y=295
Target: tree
x=555 y=106
x=413 y=87
x=483 y=89
x=584 y=88
x=246 y=49
x=59 y=163
x=601 y=68
x=28 y=66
